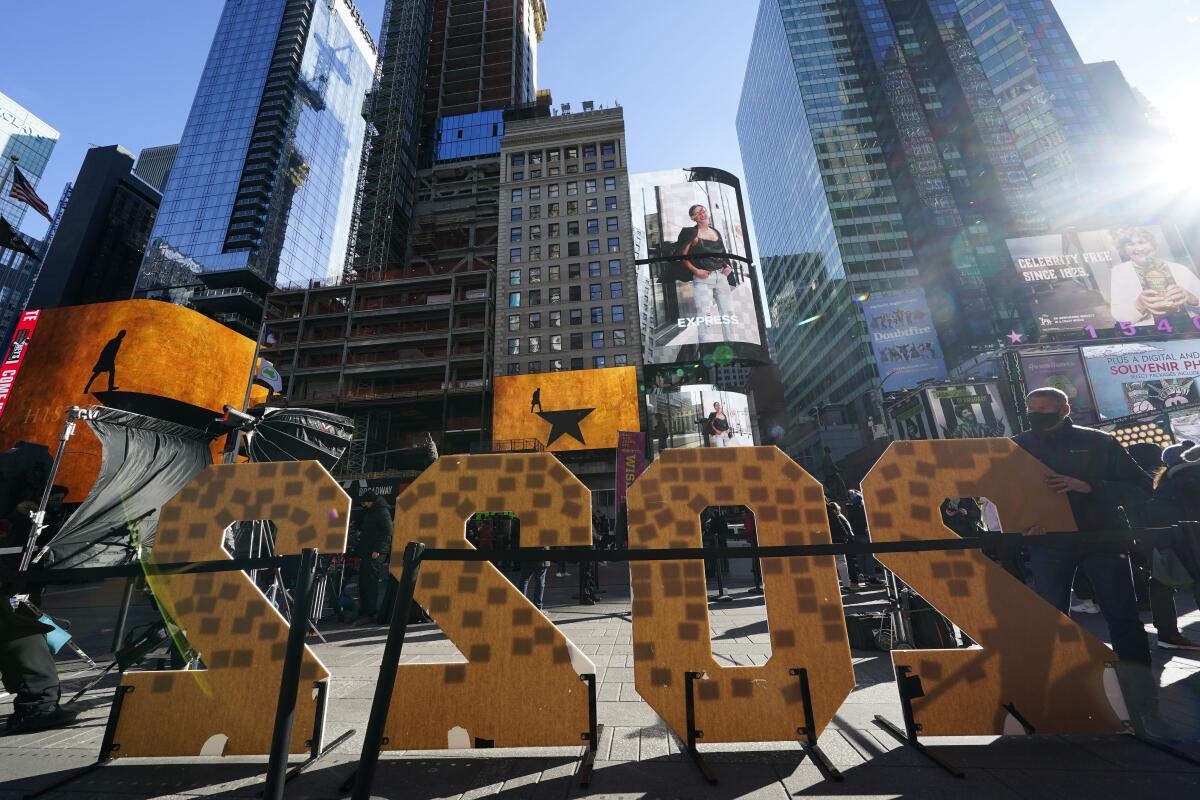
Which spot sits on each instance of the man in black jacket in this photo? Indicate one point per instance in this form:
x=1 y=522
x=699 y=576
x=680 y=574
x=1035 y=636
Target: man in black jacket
x=374 y=548
x=1098 y=476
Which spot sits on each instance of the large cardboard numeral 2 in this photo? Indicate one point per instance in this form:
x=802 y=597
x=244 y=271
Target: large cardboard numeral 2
x=229 y=707
x=1033 y=657
x=670 y=603
x=520 y=686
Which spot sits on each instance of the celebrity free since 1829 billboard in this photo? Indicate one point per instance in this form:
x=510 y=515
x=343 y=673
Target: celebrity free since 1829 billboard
x=903 y=338
x=1141 y=377
x=697 y=288
x=1126 y=277
x=575 y=410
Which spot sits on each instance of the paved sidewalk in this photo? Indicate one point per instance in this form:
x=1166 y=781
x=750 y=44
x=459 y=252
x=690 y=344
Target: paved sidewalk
x=638 y=756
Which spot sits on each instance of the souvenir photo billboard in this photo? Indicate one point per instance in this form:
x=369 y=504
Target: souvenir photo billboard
x=1062 y=371
x=967 y=411
x=1126 y=277
x=157 y=359
x=576 y=410
x=697 y=287
x=1141 y=377
x=903 y=339
x=699 y=415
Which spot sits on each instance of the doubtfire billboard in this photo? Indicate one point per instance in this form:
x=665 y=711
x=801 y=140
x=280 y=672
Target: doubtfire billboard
x=144 y=356
x=576 y=410
x=697 y=287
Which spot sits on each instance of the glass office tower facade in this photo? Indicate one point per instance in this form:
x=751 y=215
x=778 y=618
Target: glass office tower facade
x=261 y=193
x=887 y=147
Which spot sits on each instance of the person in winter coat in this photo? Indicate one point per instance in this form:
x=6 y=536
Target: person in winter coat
x=374 y=549
x=1176 y=499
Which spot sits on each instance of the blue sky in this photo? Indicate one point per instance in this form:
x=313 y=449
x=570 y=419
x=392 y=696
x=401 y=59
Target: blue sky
x=124 y=71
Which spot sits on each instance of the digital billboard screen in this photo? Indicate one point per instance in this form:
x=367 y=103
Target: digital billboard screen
x=576 y=410
x=1063 y=371
x=1127 y=277
x=697 y=287
x=699 y=415
x=1141 y=377
x=903 y=338
x=909 y=420
x=967 y=411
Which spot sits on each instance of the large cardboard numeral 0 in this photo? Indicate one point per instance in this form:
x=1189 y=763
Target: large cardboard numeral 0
x=670 y=602
x=520 y=686
x=1032 y=656
x=229 y=707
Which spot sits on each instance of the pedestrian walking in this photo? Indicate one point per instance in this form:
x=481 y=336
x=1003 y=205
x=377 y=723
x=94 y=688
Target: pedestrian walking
x=373 y=551
x=1176 y=497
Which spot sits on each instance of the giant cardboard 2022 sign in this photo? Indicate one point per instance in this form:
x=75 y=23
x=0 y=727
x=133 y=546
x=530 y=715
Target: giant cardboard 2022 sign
x=520 y=685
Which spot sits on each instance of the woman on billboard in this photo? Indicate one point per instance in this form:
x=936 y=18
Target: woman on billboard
x=1145 y=288
x=704 y=252
x=719 y=434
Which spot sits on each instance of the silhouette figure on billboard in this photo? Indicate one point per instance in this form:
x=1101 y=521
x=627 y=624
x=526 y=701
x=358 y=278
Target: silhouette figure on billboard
x=107 y=362
x=536 y=400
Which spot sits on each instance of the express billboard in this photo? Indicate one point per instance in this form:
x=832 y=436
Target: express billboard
x=1141 y=377
x=1128 y=277
x=903 y=338
x=967 y=411
x=575 y=410
x=697 y=287
x=1063 y=371
x=699 y=415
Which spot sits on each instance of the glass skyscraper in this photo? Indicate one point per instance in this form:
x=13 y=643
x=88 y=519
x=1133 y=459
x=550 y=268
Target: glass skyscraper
x=895 y=144
x=32 y=141
x=262 y=190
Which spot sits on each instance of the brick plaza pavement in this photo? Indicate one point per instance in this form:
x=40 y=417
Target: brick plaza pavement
x=638 y=756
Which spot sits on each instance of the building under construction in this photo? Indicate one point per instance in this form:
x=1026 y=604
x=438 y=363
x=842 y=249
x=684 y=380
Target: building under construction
x=403 y=342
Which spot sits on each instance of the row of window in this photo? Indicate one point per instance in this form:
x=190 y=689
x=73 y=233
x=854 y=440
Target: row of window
x=554 y=272
x=555 y=189
x=574 y=315
x=554 y=229
x=554 y=250
x=616 y=290
x=553 y=155
x=534 y=343
x=535 y=173
x=591 y=206
x=556 y=364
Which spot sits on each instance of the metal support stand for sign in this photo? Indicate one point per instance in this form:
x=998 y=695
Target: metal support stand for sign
x=722 y=595
x=107 y=746
x=587 y=759
x=373 y=742
x=809 y=731
x=910 y=687
x=289 y=682
x=693 y=735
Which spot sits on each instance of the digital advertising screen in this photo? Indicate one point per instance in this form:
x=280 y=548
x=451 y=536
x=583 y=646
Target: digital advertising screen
x=577 y=410
x=903 y=338
x=1062 y=371
x=1141 y=377
x=697 y=288
x=967 y=411
x=909 y=420
x=145 y=356
x=1108 y=279
x=699 y=415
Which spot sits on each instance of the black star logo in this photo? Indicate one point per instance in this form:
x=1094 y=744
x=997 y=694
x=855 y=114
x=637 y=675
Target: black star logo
x=565 y=423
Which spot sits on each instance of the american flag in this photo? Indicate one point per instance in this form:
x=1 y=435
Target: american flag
x=23 y=192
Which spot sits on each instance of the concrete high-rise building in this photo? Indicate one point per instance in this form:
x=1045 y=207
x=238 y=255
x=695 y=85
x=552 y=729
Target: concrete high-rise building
x=101 y=238
x=154 y=164
x=404 y=343
x=566 y=292
x=262 y=189
x=30 y=141
x=894 y=144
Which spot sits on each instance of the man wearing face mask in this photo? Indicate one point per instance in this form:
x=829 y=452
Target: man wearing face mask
x=1098 y=477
